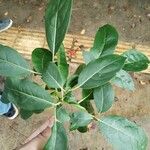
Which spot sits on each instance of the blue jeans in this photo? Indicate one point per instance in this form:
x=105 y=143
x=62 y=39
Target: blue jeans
x=4 y=108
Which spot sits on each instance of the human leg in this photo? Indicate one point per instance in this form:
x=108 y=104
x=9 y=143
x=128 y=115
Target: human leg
x=8 y=110
x=4 y=108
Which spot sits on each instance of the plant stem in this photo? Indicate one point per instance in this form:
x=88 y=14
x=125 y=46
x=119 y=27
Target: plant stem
x=75 y=88
x=62 y=95
x=95 y=118
x=55 y=118
x=35 y=72
x=57 y=104
x=55 y=115
x=84 y=98
x=53 y=57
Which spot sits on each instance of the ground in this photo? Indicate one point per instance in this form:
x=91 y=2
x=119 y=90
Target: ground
x=131 y=18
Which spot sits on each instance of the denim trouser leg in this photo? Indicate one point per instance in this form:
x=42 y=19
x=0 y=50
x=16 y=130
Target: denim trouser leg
x=4 y=107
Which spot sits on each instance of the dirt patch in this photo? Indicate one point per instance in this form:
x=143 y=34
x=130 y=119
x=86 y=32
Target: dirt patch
x=130 y=17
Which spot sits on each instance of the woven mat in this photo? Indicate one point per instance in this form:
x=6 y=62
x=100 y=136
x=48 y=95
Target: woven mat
x=26 y=40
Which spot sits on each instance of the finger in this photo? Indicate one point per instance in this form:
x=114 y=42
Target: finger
x=46 y=133
x=38 y=142
x=48 y=123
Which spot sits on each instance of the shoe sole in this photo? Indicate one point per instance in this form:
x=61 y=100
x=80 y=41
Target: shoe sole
x=16 y=113
x=11 y=22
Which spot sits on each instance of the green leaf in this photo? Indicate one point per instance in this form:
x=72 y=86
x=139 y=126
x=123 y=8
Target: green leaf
x=79 y=119
x=38 y=111
x=78 y=106
x=79 y=69
x=41 y=58
x=57 y=18
x=58 y=139
x=88 y=106
x=88 y=56
x=123 y=134
x=73 y=79
x=105 y=41
x=26 y=95
x=70 y=98
x=136 y=61
x=83 y=129
x=104 y=97
x=62 y=115
x=123 y=80
x=62 y=64
x=25 y=114
x=100 y=71
x=4 y=98
x=51 y=76
x=51 y=144
x=87 y=94
x=12 y=64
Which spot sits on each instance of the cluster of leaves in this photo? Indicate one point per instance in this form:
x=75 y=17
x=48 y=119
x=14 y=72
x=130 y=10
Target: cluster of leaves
x=101 y=70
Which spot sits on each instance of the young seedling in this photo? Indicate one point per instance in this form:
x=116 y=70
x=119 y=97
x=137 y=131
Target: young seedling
x=101 y=70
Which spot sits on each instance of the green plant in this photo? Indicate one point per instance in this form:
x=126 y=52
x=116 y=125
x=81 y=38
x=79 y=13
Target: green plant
x=95 y=78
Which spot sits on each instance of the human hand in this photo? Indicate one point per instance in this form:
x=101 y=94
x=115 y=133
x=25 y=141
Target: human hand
x=39 y=138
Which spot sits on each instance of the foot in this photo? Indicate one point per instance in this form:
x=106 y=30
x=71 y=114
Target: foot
x=12 y=113
x=5 y=24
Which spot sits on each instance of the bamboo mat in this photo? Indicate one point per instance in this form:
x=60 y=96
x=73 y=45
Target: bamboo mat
x=26 y=40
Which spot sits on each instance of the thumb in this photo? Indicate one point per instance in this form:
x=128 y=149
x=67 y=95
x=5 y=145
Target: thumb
x=39 y=141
